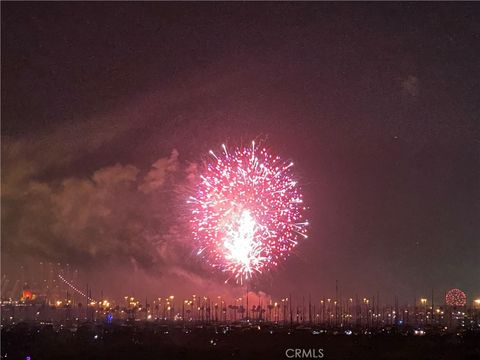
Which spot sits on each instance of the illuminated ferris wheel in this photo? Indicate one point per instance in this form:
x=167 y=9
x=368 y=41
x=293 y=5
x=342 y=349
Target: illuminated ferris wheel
x=455 y=297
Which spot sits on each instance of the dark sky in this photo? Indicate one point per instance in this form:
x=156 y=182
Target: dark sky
x=107 y=107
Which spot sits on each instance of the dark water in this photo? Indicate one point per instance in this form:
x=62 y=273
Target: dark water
x=157 y=342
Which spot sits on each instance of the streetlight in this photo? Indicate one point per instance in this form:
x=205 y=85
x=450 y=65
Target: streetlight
x=423 y=301
x=476 y=307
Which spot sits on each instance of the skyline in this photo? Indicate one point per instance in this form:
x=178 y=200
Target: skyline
x=51 y=281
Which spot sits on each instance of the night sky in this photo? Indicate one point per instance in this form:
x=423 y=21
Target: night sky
x=108 y=109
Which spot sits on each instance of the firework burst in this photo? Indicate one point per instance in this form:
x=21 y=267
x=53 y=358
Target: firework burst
x=456 y=297
x=247 y=211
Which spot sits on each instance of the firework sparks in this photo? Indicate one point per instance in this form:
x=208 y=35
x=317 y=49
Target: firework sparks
x=247 y=211
x=455 y=297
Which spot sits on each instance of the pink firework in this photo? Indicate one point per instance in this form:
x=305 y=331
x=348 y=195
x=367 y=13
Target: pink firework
x=456 y=297
x=247 y=211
